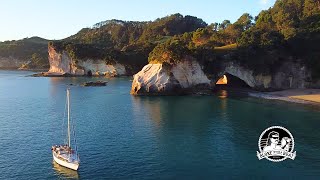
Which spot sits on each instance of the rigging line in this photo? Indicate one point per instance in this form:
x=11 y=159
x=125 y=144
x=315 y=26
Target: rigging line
x=74 y=132
x=72 y=122
x=63 y=121
x=75 y=142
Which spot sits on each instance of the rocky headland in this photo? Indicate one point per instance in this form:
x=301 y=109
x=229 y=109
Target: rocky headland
x=163 y=79
x=61 y=64
x=188 y=76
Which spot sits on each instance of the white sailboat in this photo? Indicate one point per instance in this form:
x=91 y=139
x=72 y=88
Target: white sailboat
x=64 y=154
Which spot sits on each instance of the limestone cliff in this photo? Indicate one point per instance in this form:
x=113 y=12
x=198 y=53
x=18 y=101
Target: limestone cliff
x=288 y=75
x=184 y=77
x=158 y=79
x=61 y=63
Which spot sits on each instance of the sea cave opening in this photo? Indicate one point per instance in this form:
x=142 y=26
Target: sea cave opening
x=229 y=80
x=230 y=84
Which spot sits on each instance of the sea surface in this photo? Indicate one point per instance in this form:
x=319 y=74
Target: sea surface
x=120 y=136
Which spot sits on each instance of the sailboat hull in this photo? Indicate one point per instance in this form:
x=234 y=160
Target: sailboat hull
x=66 y=164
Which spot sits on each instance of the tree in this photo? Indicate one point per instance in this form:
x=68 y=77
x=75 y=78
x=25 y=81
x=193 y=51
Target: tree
x=224 y=24
x=245 y=21
x=264 y=20
x=201 y=36
x=214 y=27
x=260 y=38
x=286 y=14
x=311 y=7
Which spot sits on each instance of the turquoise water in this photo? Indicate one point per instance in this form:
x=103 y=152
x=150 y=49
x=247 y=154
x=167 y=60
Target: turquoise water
x=124 y=137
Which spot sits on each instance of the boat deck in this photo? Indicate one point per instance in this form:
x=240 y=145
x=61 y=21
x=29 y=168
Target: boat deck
x=65 y=153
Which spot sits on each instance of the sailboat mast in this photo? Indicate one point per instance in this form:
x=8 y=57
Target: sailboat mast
x=68 y=97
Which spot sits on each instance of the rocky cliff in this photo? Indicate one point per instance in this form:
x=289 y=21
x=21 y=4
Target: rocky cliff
x=184 y=77
x=61 y=63
x=287 y=76
x=188 y=76
x=11 y=62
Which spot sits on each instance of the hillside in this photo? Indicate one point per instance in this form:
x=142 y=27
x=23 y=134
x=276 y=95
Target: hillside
x=289 y=31
x=278 y=49
x=29 y=53
x=125 y=42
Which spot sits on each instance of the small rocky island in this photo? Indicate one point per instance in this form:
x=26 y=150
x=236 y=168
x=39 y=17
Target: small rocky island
x=96 y=83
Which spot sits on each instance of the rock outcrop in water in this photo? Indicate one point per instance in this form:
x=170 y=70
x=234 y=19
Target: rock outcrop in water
x=184 y=77
x=61 y=63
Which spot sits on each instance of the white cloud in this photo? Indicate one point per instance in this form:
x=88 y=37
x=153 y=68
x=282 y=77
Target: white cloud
x=264 y=2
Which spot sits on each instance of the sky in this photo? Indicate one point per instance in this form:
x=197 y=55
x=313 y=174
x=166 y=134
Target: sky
x=58 y=19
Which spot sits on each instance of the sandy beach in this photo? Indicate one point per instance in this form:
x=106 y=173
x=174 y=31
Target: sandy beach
x=306 y=96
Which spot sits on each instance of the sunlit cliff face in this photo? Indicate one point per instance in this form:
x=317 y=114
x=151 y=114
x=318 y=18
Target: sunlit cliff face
x=223 y=80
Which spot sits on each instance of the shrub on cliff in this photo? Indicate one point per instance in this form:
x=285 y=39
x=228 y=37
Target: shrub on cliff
x=256 y=37
x=172 y=51
x=196 y=44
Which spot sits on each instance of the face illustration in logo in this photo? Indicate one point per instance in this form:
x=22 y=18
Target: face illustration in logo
x=272 y=142
x=276 y=144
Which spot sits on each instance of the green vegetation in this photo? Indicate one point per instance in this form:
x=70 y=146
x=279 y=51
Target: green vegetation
x=32 y=49
x=119 y=34
x=126 y=42
x=289 y=31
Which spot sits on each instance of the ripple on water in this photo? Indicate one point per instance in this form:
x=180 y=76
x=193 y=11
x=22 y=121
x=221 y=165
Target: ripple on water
x=124 y=137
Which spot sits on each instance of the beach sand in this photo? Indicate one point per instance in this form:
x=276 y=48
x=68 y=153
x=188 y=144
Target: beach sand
x=306 y=96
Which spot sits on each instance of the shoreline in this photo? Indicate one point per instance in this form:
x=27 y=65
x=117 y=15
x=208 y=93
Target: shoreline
x=301 y=96
x=17 y=69
x=52 y=74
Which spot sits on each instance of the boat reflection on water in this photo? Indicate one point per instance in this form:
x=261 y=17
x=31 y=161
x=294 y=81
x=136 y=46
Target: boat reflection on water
x=64 y=173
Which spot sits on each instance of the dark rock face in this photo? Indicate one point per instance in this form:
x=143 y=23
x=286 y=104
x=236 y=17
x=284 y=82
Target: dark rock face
x=287 y=76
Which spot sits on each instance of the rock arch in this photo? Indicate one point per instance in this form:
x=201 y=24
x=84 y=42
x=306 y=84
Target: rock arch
x=229 y=80
x=237 y=71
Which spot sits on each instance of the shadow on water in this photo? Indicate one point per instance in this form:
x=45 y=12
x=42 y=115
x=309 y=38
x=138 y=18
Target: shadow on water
x=64 y=173
x=190 y=131
x=198 y=132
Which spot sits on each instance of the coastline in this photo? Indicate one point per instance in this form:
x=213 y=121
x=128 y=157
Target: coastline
x=302 y=96
x=18 y=69
x=53 y=74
